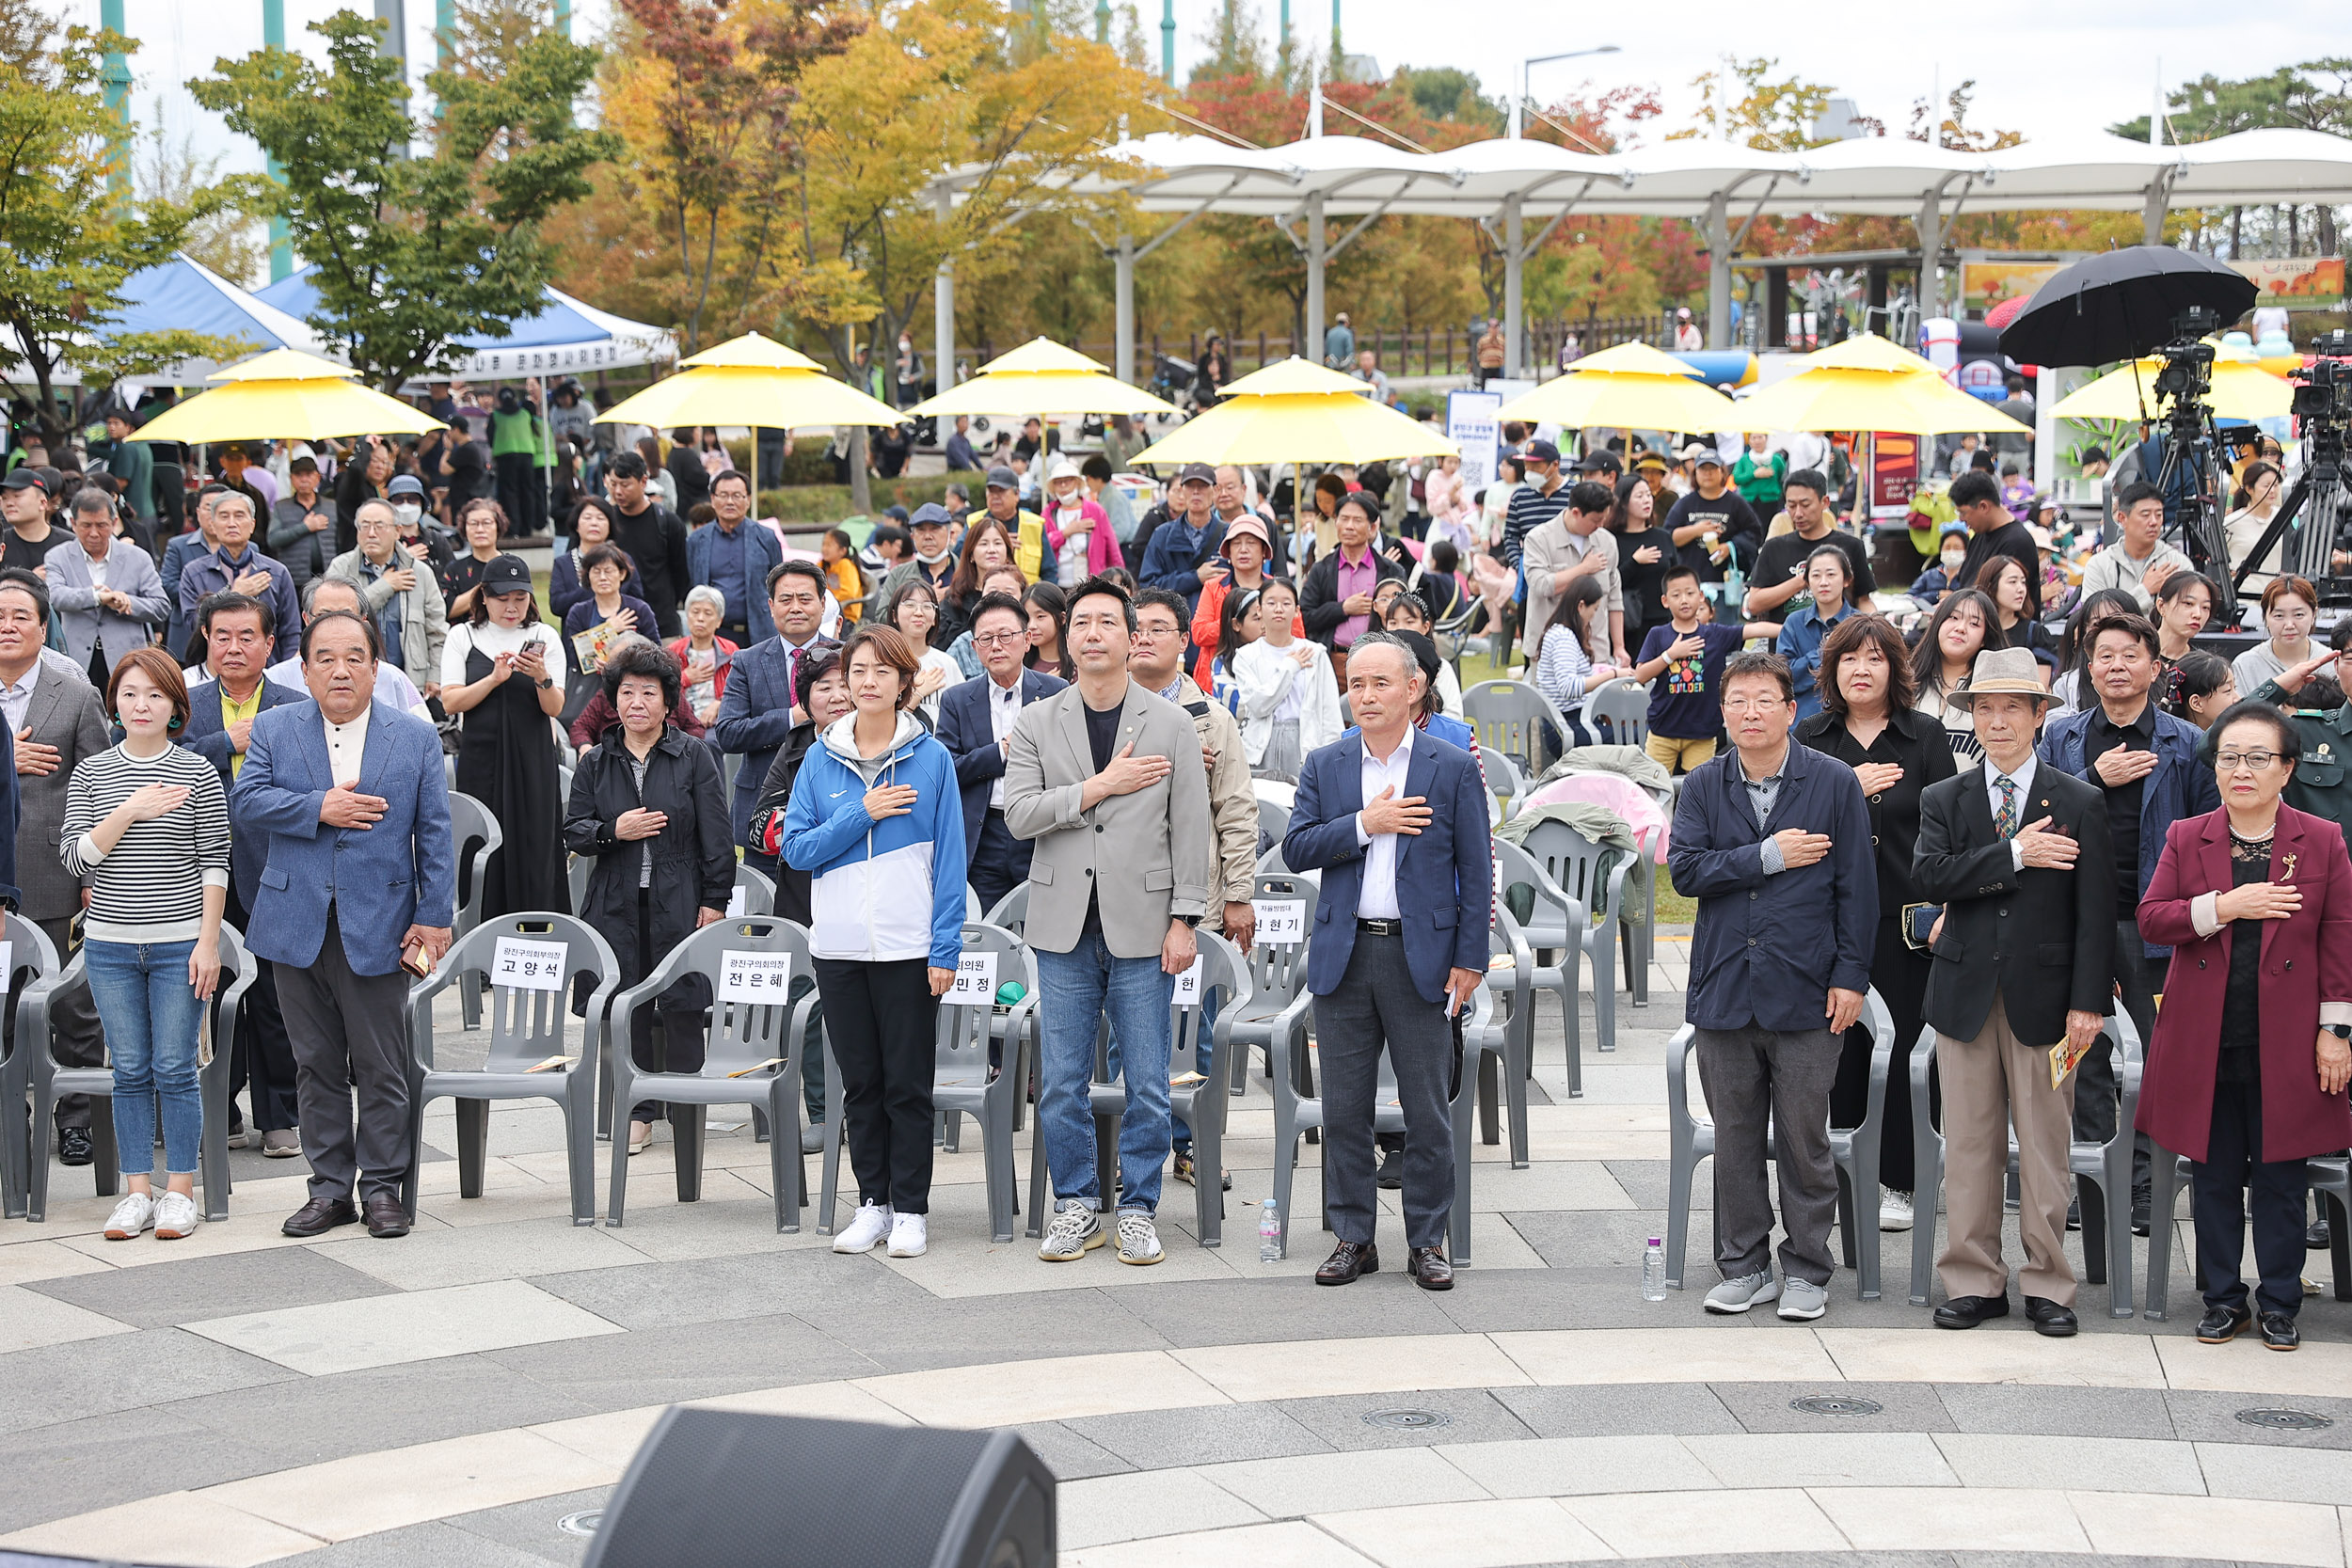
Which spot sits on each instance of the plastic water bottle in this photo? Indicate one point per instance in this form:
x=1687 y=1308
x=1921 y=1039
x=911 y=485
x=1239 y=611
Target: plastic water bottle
x=1270 y=1235
x=1654 y=1271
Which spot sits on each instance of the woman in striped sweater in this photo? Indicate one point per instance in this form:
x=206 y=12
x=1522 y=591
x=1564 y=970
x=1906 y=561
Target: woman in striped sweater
x=147 y=823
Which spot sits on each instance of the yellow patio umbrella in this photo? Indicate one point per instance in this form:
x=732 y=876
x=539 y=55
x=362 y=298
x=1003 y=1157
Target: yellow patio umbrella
x=753 y=381
x=1042 y=378
x=1630 y=387
x=1868 y=383
x=2242 y=390
x=1296 y=412
x=285 y=395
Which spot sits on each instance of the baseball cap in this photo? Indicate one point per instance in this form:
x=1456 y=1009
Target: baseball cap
x=1682 y=313
x=306 y=463
x=930 y=514
x=1002 y=477
x=1699 y=451
x=1540 y=451
x=405 y=484
x=1600 y=461
x=507 y=574
x=1200 y=471
x=1252 y=524
x=24 y=478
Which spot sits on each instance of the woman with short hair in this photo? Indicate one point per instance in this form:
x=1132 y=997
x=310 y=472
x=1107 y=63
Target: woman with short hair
x=591 y=524
x=912 y=611
x=703 y=656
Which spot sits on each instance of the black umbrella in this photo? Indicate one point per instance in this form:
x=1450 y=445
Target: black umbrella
x=2121 y=304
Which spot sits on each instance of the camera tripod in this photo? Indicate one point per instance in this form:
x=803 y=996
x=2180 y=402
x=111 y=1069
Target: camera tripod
x=2320 y=500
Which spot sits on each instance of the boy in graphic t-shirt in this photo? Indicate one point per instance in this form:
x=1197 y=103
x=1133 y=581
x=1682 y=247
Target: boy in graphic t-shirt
x=1683 y=663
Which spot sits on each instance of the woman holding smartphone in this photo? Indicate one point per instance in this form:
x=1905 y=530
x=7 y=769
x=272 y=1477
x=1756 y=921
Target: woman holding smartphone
x=498 y=676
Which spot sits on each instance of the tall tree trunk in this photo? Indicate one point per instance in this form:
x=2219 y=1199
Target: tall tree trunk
x=2237 y=231
x=861 y=486
x=2323 y=222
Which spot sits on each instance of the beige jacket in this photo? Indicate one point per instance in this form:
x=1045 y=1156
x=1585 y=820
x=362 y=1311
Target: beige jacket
x=1232 y=799
x=1151 y=855
x=1551 y=548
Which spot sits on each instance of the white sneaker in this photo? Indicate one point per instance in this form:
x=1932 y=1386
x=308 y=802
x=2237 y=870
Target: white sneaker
x=1802 y=1300
x=134 y=1213
x=1075 y=1231
x=866 y=1229
x=1138 y=1241
x=1895 y=1211
x=175 y=1216
x=909 y=1235
x=1737 y=1295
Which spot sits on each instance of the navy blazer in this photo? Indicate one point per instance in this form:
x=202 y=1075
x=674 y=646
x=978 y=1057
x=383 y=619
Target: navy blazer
x=208 y=739
x=2176 y=789
x=762 y=553
x=970 y=737
x=379 y=880
x=1766 y=950
x=754 y=717
x=1444 y=873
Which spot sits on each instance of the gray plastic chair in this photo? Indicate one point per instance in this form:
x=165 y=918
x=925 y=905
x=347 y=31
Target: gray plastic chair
x=527 y=1027
x=1550 y=928
x=756 y=893
x=961 y=1080
x=472 y=823
x=1855 y=1150
x=2330 y=1176
x=2102 y=1173
x=1274 y=814
x=1506 y=783
x=971 y=910
x=1573 y=863
x=1624 y=704
x=52 y=1081
x=1296 y=1112
x=1012 y=912
x=1200 y=1105
x=1509 y=716
x=32 y=977
x=750 y=1056
x=1278 y=977
x=1507 y=1041
x=1453 y=634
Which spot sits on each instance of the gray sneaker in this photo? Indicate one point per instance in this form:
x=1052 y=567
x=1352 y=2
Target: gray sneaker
x=1139 y=1239
x=1802 y=1300
x=284 y=1144
x=1075 y=1231
x=1737 y=1295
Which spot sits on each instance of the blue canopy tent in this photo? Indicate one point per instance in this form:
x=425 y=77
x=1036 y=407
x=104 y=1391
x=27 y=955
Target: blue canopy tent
x=186 y=295
x=566 y=335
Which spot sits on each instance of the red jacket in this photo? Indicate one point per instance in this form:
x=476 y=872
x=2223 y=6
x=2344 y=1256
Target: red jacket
x=2307 y=960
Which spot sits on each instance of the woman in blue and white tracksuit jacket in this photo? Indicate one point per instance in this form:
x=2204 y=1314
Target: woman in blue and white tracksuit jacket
x=877 y=818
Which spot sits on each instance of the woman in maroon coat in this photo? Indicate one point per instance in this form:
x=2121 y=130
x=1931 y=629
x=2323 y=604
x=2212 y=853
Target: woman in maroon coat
x=2247 y=1073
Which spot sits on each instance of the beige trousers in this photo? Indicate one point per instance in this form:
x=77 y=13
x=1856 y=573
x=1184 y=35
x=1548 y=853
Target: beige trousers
x=1988 y=1082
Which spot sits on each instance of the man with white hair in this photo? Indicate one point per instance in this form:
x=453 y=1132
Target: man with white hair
x=401 y=596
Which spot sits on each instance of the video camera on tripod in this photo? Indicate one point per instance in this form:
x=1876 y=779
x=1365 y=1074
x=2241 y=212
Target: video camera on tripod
x=2317 y=515
x=2190 y=478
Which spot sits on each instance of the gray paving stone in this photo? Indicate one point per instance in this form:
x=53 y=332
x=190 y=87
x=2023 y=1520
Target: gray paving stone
x=159 y=1295
x=56 y=1472
x=1613 y=1238
x=1765 y=1407
x=1191 y=1313
x=669 y=1295
x=928 y=1332
x=1168 y=1440
x=1609 y=1409
x=2212 y=1417
x=121 y=1371
x=320 y=1418
x=2053 y=1411
x=618 y=1371
x=1500 y=1301
x=1070 y=1456
x=1644 y=1182
x=529 y=1528
x=440 y=1543
x=1473 y=1416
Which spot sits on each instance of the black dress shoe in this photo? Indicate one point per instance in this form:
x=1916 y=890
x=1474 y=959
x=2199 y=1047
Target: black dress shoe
x=74 y=1147
x=2317 y=1238
x=2221 y=1324
x=2074 y=1216
x=1430 y=1270
x=1968 y=1311
x=2278 y=1331
x=1392 y=1172
x=2142 y=1200
x=319 y=1216
x=1347 y=1260
x=2050 y=1318
x=387 y=1218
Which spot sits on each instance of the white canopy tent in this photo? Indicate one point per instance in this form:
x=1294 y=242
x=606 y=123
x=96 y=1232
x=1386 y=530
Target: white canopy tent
x=1508 y=183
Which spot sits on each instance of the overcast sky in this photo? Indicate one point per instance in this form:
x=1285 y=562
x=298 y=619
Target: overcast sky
x=2045 y=69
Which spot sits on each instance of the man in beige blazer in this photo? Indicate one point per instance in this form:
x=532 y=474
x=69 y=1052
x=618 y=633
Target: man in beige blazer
x=1572 y=546
x=1105 y=779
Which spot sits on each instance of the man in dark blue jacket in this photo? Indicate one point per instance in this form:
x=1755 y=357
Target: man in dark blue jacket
x=758 y=712
x=1182 y=556
x=973 y=720
x=1773 y=840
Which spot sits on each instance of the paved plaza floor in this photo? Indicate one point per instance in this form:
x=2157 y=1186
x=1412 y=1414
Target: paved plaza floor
x=451 y=1398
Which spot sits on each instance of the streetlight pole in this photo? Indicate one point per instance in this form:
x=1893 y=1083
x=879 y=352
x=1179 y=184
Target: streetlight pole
x=1521 y=98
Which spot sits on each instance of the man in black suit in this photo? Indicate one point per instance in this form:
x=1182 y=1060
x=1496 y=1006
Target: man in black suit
x=973 y=720
x=2019 y=856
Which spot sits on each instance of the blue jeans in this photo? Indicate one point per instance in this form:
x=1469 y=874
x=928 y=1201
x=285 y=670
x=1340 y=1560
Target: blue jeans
x=151 y=1015
x=1081 y=986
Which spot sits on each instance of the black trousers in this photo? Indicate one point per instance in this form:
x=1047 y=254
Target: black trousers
x=684 y=1030
x=2234 y=1182
x=262 y=1057
x=883 y=1021
x=1373 y=1006
x=80 y=1040
x=2098 y=1088
x=1901 y=976
x=522 y=493
x=350 y=1036
x=1000 y=861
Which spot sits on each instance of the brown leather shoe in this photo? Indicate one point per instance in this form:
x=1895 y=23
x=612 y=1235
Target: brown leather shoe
x=1347 y=1260
x=387 y=1218
x=1429 y=1268
x=319 y=1216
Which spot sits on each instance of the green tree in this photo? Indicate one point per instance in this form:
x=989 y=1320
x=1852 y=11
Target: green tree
x=1753 y=108
x=410 y=252
x=174 y=173
x=67 y=244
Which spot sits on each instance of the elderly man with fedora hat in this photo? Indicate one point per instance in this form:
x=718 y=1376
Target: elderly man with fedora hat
x=2019 y=855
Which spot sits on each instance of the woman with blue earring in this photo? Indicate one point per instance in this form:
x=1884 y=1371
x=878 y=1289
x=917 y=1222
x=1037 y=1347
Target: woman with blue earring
x=147 y=824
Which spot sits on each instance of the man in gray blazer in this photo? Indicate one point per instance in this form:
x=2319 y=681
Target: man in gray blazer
x=401 y=593
x=108 y=597
x=54 y=716
x=1105 y=779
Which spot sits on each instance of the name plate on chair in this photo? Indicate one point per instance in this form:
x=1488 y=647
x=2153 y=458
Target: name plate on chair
x=1282 y=921
x=976 y=981
x=735 y=901
x=1188 y=992
x=528 y=965
x=760 y=977
x=7 y=965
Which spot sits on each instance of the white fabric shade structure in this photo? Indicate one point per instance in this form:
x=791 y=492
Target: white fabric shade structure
x=1509 y=183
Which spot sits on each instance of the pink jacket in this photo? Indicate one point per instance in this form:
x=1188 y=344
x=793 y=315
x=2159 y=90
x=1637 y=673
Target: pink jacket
x=1620 y=795
x=1101 y=543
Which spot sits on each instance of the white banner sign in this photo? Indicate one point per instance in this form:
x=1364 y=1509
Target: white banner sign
x=528 y=965
x=1473 y=422
x=760 y=977
x=1282 y=921
x=976 y=981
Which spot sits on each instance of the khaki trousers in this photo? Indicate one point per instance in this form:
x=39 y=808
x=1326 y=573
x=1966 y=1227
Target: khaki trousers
x=1988 y=1082
x=1670 y=752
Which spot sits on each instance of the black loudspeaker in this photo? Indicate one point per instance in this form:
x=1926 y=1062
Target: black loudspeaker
x=723 y=1489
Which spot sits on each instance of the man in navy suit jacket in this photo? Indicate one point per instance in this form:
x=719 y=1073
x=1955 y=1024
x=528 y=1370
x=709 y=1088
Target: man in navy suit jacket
x=349 y=802
x=757 y=712
x=973 y=720
x=1396 y=821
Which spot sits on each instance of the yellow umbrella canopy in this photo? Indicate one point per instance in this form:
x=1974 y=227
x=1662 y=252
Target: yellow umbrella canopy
x=286 y=396
x=1295 y=375
x=751 y=381
x=2242 y=390
x=1866 y=383
x=1336 y=423
x=1042 y=378
x=1586 y=397
x=1631 y=358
